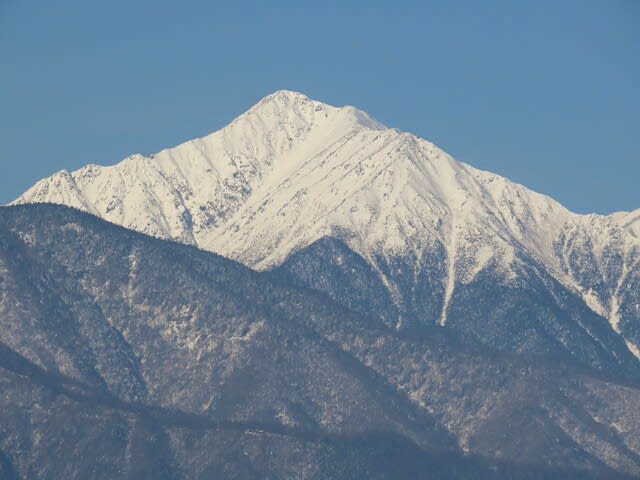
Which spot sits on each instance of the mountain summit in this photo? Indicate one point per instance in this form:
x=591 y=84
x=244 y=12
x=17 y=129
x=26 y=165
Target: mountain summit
x=188 y=193
x=318 y=192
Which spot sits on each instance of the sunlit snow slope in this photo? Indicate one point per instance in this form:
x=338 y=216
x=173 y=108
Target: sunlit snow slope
x=291 y=171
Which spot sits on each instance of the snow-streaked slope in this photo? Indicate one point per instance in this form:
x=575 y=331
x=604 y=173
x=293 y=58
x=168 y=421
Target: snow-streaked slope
x=628 y=220
x=188 y=192
x=292 y=170
x=160 y=334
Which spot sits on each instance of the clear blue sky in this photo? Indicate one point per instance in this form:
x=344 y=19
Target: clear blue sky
x=546 y=93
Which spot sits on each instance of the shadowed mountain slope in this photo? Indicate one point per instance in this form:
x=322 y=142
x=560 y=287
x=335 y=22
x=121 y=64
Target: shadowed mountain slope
x=171 y=360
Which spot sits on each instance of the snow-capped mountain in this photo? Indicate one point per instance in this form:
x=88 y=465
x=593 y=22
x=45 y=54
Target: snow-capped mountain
x=439 y=236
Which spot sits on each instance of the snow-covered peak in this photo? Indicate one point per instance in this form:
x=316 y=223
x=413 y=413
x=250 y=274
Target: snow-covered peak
x=285 y=96
x=291 y=170
x=293 y=110
x=285 y=102
x=286 y=105
x=187 y=192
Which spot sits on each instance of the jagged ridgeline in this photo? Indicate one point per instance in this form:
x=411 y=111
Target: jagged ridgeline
x=126 y=356
x=388 y=225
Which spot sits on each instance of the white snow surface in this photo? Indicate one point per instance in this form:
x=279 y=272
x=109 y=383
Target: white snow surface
x=629 y=221
x=291 y=170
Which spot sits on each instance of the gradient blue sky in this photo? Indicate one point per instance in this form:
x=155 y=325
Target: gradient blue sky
x=546 y=93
